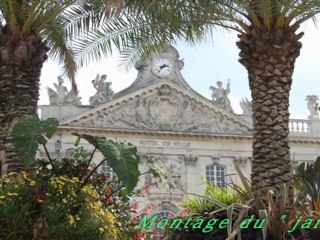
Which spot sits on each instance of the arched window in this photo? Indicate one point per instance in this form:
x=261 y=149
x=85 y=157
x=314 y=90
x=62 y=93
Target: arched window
x=215 y=174
x=159 y=233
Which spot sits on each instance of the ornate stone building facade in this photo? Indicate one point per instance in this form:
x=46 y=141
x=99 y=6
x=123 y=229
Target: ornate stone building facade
x=189 y=136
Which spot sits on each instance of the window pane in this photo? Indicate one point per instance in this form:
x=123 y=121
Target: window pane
x=215 y=174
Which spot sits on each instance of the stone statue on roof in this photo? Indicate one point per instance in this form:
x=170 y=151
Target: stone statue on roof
x=312 y=103
x=104 y=92
x=61 y=96
x=246 y=106
x=220 y=96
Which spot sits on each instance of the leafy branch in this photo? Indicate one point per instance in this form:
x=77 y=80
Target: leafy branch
x=121 y=155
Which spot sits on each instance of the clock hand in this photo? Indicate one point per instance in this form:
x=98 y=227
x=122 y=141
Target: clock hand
x=163 y=66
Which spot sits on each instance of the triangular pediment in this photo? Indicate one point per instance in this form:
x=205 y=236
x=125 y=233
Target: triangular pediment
x=164 y=106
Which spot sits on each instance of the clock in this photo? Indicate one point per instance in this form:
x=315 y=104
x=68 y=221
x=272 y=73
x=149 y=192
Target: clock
x=161 y=67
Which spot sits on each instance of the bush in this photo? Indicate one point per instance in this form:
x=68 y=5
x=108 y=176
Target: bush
x=42 y=205
x=68 y=199
x=227 y=196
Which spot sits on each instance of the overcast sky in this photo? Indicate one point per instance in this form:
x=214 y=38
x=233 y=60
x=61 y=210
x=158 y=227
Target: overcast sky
x=205 y=64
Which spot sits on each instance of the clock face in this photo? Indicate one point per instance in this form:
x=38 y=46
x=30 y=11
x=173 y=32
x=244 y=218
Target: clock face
x=162 y=67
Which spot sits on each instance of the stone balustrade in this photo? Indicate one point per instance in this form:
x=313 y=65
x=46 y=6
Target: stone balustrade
x=300 y=127
x=305 y=127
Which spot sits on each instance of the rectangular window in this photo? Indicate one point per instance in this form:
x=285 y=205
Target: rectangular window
x=215 y=174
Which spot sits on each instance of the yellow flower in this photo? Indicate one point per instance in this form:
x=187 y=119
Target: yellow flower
x=32 y=183
x=75 y=179
x=12 y=194
x=71 y=220
x=101 y=230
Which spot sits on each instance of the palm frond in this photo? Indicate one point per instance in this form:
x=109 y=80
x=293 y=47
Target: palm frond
x=133 y=55
x=9 y=12
x=81 y=17
x=29 y=13
x=61 y=50
x=123 y=32
x=137 y=31
x=266 y=14
x=92 y=29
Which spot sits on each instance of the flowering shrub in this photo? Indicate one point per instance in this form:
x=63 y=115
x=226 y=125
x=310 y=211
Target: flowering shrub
x=69 y=198
x=39 y=205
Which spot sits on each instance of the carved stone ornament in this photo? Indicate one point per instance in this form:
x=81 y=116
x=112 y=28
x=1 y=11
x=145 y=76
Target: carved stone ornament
x=312 y=102
x=241 y=161
x=191 y=159
x=61 y=96
x=246 y=106
x=104 y=92
x=164 y=110
x=172 y=169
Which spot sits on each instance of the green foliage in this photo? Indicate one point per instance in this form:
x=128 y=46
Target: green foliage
x=216 y=203
x=244 y=189
x=307 y=181
x=227 y=196
x=235 y=204
x=122 y=157
x=78 y=32
x=262 y=14
x=40 y=20
x=69 y=198
x=143 y=27
x=31 y=132
x=65 y=208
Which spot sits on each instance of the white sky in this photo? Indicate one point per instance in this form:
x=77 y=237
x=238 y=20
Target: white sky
x=205 y=64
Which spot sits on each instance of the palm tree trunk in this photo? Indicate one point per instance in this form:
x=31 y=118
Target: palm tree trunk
x=269 y=56
x=20 y=68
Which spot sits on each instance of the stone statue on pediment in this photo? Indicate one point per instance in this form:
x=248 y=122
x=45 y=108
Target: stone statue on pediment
x=61 y=90
x=104 y=92
x=246 y=106
x=220 y=96
x=312 y=102
x=61 y=96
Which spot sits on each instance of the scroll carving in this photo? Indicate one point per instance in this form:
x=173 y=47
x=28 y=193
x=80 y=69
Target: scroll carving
x=164 y=110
